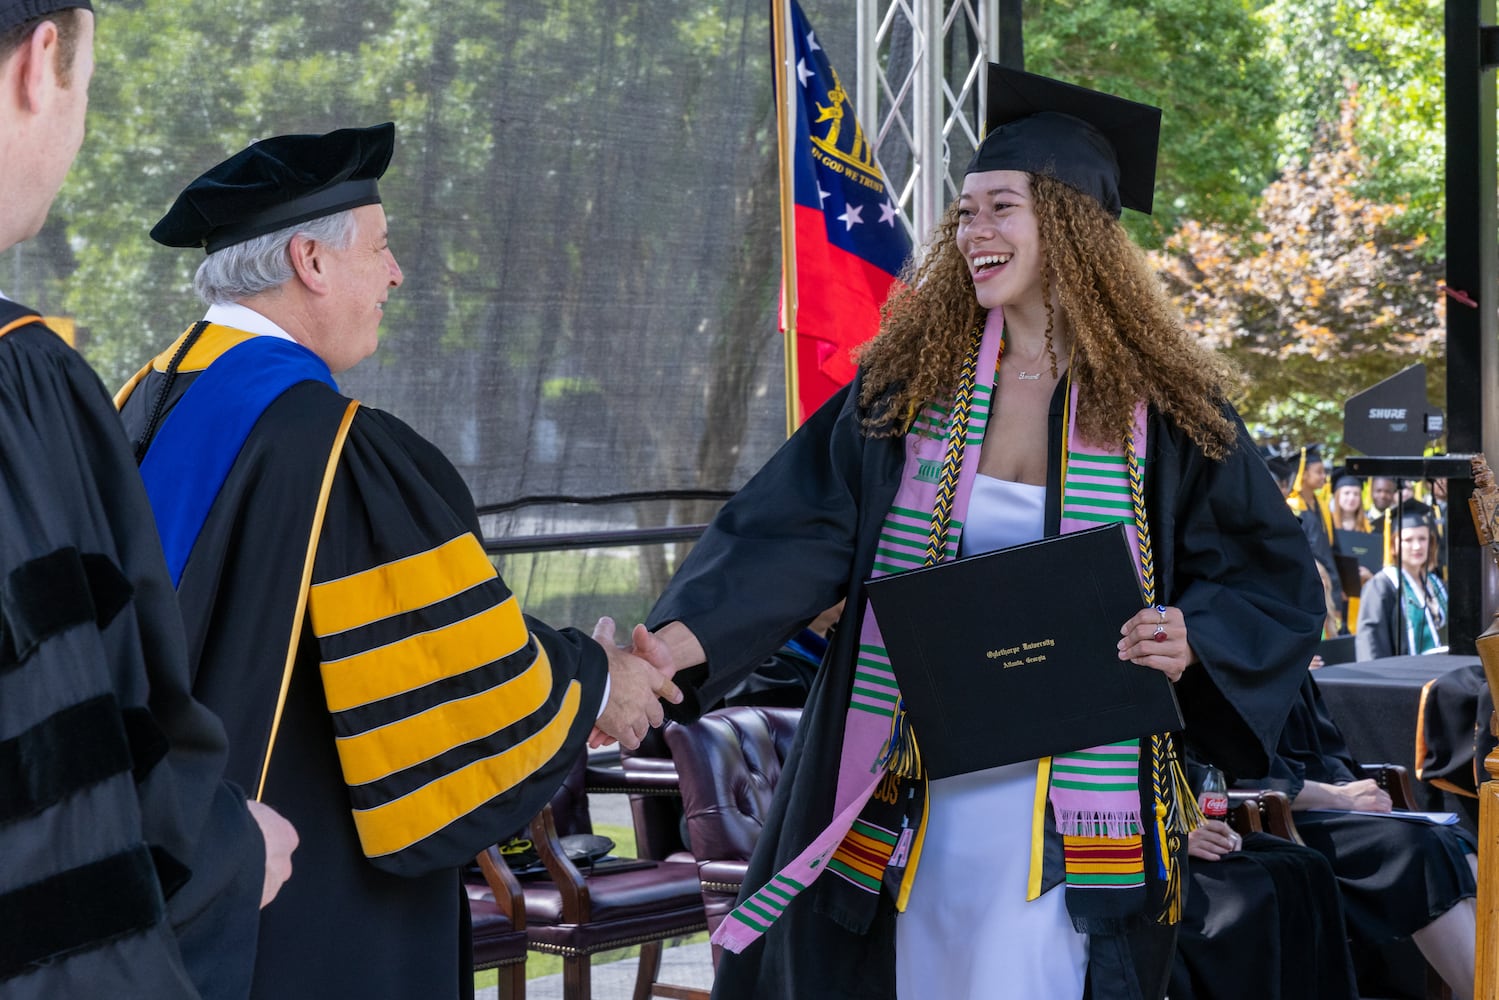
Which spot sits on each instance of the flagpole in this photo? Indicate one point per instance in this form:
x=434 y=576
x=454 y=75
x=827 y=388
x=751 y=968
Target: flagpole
x=785 y=141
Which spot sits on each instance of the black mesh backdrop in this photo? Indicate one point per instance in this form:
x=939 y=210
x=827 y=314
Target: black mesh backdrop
x=583 y=199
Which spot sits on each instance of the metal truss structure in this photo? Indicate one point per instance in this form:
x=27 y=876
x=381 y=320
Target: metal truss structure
x=920 y=87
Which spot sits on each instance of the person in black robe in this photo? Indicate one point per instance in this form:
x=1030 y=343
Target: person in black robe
x=1310 y=500
x=131 y=869
x=1400 y=879
x=1263 y=920
x=381 y=686
x=1229 y=560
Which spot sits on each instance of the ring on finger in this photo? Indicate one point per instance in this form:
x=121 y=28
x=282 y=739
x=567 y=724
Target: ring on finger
x=1160 y=609
x=1159 y=635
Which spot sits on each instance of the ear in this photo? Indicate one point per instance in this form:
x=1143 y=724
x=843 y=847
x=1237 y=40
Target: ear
x=34 y=64
x=308 y=262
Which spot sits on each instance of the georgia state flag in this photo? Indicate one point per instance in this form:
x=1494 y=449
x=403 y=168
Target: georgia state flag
x=850 y=240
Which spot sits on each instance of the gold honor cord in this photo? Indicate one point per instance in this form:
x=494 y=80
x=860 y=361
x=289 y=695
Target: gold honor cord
x=296 y=627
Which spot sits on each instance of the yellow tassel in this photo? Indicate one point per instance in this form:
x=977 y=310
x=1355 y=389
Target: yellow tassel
x=1190 y=814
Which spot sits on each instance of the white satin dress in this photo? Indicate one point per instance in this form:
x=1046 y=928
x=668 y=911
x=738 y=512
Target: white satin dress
x=968 y=932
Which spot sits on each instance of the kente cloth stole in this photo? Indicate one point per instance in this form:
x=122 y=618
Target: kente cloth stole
x=874 y=839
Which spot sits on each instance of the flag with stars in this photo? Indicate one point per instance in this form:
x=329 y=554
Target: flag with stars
x=850 y=239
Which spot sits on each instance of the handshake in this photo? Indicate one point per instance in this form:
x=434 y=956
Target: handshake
x=639 y=677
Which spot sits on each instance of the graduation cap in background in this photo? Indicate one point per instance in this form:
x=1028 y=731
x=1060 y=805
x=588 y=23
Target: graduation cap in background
x=1281 y=466
x=1413 y=513
x=1342 y=477
x=14 y=13
x=1102 y=145
x=276 y=183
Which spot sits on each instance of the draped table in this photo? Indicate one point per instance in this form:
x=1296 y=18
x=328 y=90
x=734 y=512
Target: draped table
x=1429 y=713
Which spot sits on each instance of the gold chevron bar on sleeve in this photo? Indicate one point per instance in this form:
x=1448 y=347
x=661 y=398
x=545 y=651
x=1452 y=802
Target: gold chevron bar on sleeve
x=399 y=586
x=420 y=659
x=393 y=826
x=373 y=755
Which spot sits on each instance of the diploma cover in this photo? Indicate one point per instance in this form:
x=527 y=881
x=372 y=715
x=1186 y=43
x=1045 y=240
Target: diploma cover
x=1366 y=546
x=1011 y=655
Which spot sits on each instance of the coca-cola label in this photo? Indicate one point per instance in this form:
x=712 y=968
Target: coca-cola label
x=1214 y=805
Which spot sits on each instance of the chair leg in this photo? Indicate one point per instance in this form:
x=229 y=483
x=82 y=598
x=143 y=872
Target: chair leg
x=648 y=969
x=577 y=977
x=513 y=982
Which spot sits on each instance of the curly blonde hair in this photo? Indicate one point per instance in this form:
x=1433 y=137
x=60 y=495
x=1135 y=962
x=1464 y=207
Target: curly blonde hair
x=1128 y=342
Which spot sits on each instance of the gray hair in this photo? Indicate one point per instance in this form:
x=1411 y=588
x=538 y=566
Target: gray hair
x=262 y=263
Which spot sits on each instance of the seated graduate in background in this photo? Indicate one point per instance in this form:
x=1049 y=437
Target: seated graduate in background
x=1403 y=609
x=1262 y=921
x=1399 y=878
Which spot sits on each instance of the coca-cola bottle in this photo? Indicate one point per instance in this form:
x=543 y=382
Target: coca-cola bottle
x=1213 y=799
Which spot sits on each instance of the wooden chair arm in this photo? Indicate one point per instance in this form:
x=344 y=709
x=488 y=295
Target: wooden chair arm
x=1244 y=816
x=577 y=907
x=1273 y=811
x=508 y=894
x=1394 y=779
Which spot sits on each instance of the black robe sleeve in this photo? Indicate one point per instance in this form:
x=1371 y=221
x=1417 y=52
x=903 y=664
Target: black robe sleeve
x=1315 y=530
x=115 y=823
x=780 y=552
x=1380 y=620
x=456 y=716
x=1238 y=566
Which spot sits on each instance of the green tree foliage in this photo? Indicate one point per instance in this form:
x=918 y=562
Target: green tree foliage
x=1393 y=52
x=1205 y=63
x=1323 y=300
x=551 y=161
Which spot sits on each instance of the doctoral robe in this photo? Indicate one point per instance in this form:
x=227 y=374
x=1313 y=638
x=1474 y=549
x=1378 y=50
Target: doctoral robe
x=801 y=534
x=424 y=716
x=130 y=867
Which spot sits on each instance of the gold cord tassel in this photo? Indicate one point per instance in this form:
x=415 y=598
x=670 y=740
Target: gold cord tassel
x=902 y=756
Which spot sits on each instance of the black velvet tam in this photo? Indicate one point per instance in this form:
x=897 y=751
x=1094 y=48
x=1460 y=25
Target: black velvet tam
x=278 y=182
x=1103 y=146
x=17 y=12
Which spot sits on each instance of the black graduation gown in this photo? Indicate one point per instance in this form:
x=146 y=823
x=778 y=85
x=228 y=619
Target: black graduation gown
x=1396 y=876
x=394 y=925
x=1381 y=620
x=1262 y=923
x=106 y=762
x=801 y=534
x=1322 y=549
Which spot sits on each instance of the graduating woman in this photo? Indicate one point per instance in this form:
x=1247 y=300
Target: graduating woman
x=1403 y=609
x=1031 y=363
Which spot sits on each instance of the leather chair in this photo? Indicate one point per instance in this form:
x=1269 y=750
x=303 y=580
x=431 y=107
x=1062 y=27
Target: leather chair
x=497 y=910
x=649 y=776
x=580 y=912
x=728 y=763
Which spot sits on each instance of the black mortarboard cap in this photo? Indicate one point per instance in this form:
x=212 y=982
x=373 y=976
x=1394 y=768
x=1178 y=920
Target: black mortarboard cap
x=14 y=13
x=1341 y=478
x=1413 y=513
x=1280 y=466
x=1102 y=145
x=1312 y=454
x=278 y=182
